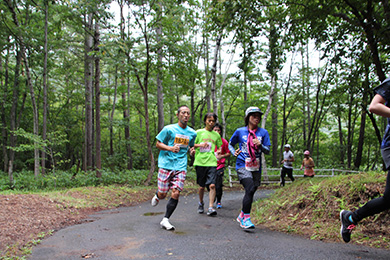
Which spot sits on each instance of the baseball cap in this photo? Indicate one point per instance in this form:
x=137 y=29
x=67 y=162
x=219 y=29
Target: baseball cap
x=251 y=110
x=287 y=146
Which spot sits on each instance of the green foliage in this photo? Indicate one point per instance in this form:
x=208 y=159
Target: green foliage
x=26 y=182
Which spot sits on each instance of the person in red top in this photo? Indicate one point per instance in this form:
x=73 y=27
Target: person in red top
x=221 y=157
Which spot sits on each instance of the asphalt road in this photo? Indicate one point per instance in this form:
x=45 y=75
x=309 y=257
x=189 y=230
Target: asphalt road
x=135 y=233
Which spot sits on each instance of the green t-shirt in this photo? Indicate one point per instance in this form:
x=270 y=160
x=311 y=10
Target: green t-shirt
x=206 y=156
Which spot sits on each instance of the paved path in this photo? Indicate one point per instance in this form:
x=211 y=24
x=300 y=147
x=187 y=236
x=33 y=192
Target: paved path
x=135 y=233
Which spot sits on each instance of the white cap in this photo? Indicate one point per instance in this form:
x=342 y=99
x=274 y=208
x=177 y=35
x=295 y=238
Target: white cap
x=287 y=146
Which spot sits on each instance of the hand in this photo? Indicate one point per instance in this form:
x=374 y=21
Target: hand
x=237 y=152
x=282 y=161
x=175 y=148
x=204 y=145
x=256 y=142
x=218 y=155
x=192 y=151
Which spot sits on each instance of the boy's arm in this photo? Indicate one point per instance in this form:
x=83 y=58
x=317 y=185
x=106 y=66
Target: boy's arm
x=164 y=147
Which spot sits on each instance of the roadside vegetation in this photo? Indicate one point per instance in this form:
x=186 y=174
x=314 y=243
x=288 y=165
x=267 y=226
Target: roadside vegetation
x=310 y=207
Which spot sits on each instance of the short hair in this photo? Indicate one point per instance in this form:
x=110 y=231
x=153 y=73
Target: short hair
x=178 y=110
x=210 y=115
x=219 y=126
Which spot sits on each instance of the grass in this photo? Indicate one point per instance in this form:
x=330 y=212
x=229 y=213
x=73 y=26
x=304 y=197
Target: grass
x=310 y=207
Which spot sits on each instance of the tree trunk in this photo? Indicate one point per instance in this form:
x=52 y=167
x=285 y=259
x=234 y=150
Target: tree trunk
x=206 y=64
x=12 y=138
x=97 y=103
x=88 y=72
x=45 y=106
x=113 y=112
x=160 y=95
x=341 y=138
x=275 y=159
x=126 y=112
x=366 y=89
x=4 y=86
x=214 y=73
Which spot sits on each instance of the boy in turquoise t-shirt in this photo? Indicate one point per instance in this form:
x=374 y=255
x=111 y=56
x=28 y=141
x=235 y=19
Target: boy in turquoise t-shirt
x=206 y=162
x=173 y=141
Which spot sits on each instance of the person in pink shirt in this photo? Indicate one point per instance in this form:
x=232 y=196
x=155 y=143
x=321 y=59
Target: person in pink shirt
x=221 y=157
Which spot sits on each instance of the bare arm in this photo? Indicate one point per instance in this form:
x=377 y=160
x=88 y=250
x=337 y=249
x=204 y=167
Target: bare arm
x=164 y=147
x=378 y=106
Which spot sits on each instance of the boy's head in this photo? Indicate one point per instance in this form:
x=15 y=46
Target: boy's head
x=210 y=120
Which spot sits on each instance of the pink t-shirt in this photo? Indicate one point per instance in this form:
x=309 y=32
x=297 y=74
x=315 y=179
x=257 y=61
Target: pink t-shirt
x=224 y=150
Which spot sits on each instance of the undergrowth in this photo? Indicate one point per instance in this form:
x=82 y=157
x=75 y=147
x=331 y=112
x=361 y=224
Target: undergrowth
x=311 y=207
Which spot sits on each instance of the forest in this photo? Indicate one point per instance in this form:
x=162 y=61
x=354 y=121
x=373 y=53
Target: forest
x=87 y=85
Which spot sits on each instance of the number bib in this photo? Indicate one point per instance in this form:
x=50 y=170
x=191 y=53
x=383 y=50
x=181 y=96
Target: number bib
x=182 y=140
x=252 y=166
x=205 y=149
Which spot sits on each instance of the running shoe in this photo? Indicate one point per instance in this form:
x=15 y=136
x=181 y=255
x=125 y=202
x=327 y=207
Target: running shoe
x=239 y=219
x=166 y=225
x=155 y=200
x=219 y=205
x=247 y=224
x=211 y=212
x=201 y=208
x=346 y=225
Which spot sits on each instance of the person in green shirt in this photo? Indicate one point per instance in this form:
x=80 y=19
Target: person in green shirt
x=206 y=161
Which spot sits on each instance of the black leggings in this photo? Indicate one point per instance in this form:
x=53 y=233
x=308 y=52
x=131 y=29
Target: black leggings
x=250 y=190
x=219 y=185
x=374 y=206
x=283 y=172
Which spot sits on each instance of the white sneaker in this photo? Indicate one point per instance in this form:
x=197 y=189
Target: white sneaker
x=165 y=224
x=155 y=200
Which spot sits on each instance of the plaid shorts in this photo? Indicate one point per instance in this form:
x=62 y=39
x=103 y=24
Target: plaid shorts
x=170 y=179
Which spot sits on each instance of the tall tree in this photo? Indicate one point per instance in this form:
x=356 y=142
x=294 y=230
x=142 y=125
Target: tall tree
x=88 y=81
x=29 y=84
x=45 y=104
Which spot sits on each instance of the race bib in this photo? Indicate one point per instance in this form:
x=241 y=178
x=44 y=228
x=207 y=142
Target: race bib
x=182 y=140
x=252 y=166
x=205 y=149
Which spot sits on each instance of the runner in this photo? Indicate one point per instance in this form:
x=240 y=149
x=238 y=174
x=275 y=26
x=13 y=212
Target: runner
x=380 y=106
x=288 y=158
x=308 y=164
x=173 y=142
x=253 y=141
x=205 y=161
x=224 y=153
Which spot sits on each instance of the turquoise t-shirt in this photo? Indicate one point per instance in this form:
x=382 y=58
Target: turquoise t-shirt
x=206 y=156
x=171 y=135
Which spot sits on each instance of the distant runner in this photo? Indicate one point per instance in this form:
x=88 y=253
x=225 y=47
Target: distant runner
x=288 y=159
x=308 y=164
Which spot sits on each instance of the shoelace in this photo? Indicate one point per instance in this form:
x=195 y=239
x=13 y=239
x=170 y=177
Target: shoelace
x=350 y=227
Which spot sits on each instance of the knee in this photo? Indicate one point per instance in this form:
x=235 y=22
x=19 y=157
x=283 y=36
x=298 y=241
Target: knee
x=212 y=186
x=161 y=195
x=175 y=194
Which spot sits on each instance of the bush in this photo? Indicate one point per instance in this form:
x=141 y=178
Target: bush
x=26 y=181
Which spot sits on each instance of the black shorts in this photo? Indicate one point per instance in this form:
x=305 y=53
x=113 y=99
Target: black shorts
x=243 y=173
x=205 y=175
x=386 y=156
